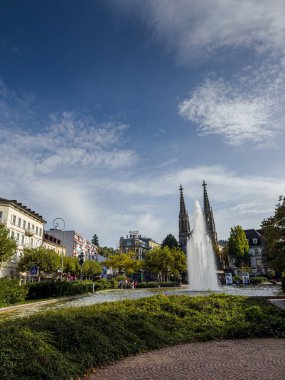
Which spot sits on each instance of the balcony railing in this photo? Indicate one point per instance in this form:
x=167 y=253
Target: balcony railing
x=29 y=232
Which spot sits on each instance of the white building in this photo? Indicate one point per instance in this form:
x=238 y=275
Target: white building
x=75 y=244
x=25 y=226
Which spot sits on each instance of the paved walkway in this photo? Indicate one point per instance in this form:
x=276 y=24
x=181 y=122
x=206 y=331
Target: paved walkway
x=245 y=359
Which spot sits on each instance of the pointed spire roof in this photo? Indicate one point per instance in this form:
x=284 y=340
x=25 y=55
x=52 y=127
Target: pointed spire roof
x=182 y=202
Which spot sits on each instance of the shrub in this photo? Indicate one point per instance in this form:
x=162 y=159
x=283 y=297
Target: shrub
x=11 y=292
x=258 y=280
x=64 y=344
x=283 y=282
x=157 y=284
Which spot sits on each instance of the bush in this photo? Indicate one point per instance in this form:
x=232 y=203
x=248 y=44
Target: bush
x=64 y=344
x=11 y=292
x=283 y=282
x=258 y=280
x=157 y=284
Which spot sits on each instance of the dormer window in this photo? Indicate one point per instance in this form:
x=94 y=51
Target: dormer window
x=254 y=241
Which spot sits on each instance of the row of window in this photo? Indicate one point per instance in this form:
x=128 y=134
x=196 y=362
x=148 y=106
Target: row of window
x=20 y=238
x=26 y=225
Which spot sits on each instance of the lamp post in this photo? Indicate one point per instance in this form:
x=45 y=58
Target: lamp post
x=56 y=223
x=81 y=262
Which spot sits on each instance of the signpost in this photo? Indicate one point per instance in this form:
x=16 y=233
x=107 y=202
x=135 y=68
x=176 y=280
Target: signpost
x=245 y=278
x=229 y=278
x=81 y=262
x=34 y=271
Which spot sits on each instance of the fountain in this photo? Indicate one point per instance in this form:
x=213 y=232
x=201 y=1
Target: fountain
x=200 y=256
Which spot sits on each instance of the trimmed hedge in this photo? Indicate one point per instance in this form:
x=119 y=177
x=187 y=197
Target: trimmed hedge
x=41 y=290
x=66 y=343
x=157 y=285
x=258 y=280
x=11 y=292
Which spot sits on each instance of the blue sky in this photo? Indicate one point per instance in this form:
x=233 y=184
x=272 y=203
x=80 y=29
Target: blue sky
x=107 y=107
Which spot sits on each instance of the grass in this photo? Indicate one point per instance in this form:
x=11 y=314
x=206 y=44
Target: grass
x=66 y=343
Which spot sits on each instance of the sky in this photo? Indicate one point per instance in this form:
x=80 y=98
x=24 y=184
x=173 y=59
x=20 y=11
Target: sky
x=106 y=107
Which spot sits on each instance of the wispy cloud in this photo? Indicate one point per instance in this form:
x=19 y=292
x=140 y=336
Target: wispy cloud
x=202 y=28
x=249 y=109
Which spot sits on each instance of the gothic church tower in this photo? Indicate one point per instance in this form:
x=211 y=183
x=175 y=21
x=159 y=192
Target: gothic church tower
x=184 y=225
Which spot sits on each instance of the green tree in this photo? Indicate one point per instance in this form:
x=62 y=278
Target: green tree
x=123 y=262
x=273 y=230
x=106 y=251
x=8 y=246
x=95 y=240
x=170 y=242
x=165 y=262
x=91 y=269
x=71 y=265
x=238 y=247
x=46 y=260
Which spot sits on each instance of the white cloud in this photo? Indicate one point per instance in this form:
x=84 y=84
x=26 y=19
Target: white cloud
x=202 y=28
x=252 y=109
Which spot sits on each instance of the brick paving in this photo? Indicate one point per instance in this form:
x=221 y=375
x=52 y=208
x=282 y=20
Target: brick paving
x=245 y=359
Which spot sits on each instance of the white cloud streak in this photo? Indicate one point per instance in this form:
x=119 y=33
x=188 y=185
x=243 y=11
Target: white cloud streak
x=252 y=109
x=202 y=28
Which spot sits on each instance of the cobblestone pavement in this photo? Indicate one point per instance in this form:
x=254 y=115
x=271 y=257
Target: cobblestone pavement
x=245 y=359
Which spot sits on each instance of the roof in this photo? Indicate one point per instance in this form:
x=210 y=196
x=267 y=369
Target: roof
x=22 y=207
x=253 y=234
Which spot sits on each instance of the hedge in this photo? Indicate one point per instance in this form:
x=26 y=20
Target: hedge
x=283 y=282
x=11 y=292
x=64 y=344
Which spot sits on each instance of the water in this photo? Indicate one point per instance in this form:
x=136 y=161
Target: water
x=200 y=256
x=120 y=294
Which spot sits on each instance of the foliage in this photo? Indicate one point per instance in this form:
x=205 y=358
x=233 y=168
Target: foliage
x=95 y=240
x=91 y=269
x=11 y=292
x=165 y=262
x=123 y=262
x=46 y=260
x=64 y=344
x=273 y=230
x=258 y=280
x=283 y=282
x=71 y=265
x=50 y=289
x=170 y=242
x=238 y=246
x=170 y=284
x=8 y=245
x=105 y=251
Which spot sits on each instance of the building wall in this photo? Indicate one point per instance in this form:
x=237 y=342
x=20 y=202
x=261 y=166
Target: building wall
x=25 y=227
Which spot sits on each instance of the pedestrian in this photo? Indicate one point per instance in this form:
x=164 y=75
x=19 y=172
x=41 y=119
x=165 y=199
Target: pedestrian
x=135 y=284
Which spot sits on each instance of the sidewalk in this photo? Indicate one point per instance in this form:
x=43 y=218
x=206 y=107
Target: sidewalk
x=245 y=359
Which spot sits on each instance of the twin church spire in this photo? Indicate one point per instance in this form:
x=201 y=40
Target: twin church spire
x=184 y=224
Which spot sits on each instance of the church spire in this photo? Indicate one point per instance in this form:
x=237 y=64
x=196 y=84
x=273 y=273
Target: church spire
x=184 y=225
x=208 y=212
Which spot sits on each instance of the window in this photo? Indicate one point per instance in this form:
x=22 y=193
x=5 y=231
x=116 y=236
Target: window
x=32 y=241
x=40 y=233
x=256 y=251
x=37 y=229
x=254 y=241
x=12 y=234
x=19 y=222
x=24 y=224
x=33 y=226
x=29 y=226
x=1 y=214
x=18 y=237
x=14 y=219
x=23 y=239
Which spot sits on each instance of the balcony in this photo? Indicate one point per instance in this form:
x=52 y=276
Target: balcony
x=29 y=232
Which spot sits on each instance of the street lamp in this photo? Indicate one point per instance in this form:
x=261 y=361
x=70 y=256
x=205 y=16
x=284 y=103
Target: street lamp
x=81 y=262
x=56 y=223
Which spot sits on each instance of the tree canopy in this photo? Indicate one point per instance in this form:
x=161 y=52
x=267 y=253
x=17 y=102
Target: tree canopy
x=106 y=251
x=123 y=262
x=238 y=247
x=95 y=240
x=165 y=262
x=170 y=242
x=273 y=230
x=8 y=246
x=46 y=260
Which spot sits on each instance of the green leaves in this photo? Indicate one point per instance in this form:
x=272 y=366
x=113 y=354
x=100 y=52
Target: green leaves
x=47 y=260
x=8 y=245
x=238 y=246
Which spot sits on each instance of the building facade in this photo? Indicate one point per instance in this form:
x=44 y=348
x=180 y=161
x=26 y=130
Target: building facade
x=257 y=255
x=138 y=244
x=25 y=226
x=50 y=242
x=75 y=244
